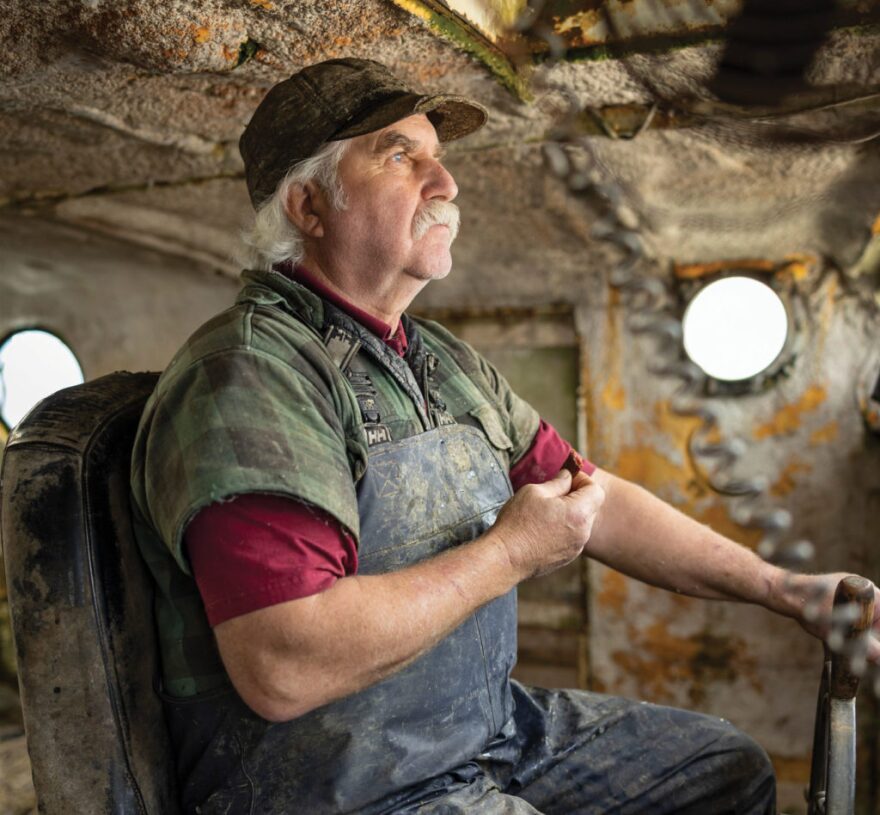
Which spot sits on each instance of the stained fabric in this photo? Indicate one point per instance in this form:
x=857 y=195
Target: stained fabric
x=371 y=751
x=254 y=550
x=570 y=752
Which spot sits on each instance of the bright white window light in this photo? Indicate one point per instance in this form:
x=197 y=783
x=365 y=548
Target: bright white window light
x=33 y=364
x=735 y=328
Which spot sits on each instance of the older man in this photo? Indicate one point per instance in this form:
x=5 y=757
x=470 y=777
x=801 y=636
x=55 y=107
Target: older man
x=323 y=491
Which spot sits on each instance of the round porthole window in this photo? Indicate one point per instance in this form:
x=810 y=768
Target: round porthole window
x=33 y=364
x=735 y=328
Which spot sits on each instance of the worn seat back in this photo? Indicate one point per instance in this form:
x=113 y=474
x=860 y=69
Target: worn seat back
x=81 y=605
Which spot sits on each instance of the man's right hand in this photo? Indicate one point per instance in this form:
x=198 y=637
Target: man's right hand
x=544 y=526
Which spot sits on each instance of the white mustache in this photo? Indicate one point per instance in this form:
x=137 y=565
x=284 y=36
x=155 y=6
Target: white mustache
x=436 y=212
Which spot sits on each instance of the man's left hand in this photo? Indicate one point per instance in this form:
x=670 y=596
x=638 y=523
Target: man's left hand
x=809 y=599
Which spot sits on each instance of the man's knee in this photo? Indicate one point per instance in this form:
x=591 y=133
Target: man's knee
x=747 y=774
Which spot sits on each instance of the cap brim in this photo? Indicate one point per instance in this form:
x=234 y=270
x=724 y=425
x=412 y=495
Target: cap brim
x=452 y=116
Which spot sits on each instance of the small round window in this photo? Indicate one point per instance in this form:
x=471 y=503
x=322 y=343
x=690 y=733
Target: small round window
x=33 y=364
x=735 y=328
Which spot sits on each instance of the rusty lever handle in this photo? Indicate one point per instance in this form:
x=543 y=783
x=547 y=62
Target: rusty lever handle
x=857 y=594
x=833 y=772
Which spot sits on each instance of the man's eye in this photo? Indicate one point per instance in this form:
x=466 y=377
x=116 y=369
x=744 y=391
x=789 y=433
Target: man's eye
x=399 y=158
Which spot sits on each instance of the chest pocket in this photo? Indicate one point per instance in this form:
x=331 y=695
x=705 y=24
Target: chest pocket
x=488 y=421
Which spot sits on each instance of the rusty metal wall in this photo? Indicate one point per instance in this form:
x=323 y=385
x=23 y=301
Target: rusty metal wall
x=807 y=435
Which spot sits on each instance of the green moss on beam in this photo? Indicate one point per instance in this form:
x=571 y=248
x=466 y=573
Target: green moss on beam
x=453 y=27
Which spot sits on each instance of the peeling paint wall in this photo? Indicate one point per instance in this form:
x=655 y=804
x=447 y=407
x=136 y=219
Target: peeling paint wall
x=807 y=436
x=118 y=306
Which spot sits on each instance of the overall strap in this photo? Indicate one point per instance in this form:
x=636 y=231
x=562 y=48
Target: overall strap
x=349 y=338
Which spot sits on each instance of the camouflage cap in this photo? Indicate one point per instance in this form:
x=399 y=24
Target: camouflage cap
x=333 y=100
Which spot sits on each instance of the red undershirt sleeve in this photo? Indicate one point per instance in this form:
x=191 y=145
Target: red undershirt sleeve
x=544 y=458
x=259 y=550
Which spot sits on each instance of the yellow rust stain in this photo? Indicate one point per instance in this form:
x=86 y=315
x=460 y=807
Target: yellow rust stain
x=584 y=20
x=799 y=267
x=680 y=601
x=788 y=418
x=600 y=393
x=713 y=436
x=263 y=4
x=718 y=518
x=202 y=34
x=825 y=434
x=414 y=7
x=672 y=424
x=791 y=768
x=825 y=316
x=596 y=685
x=786 y=482
x=647 y=466
x=613 y=394
x=795 y=267
x=614 y=591
x=174 y=55
x=871 y=414
x=695 y=271
x=661 y=662
x=651 y=469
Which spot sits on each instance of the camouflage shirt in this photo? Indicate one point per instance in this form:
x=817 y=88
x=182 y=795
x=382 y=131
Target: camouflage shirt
x=258 y=400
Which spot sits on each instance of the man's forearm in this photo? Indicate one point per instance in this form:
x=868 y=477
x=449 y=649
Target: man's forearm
x=362 y=629
x=646 y=538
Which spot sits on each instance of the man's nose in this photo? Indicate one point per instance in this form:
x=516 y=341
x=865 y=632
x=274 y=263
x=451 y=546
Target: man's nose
x=440 y=183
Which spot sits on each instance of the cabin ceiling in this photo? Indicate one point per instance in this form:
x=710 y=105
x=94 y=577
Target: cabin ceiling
x=123 y=118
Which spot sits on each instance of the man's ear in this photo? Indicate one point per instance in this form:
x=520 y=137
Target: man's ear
x=303 y=206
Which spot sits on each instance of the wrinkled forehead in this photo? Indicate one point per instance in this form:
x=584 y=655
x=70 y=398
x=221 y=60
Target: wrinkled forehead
x=413 y=133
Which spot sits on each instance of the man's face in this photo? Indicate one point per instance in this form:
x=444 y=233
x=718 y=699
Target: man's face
x=392 y=178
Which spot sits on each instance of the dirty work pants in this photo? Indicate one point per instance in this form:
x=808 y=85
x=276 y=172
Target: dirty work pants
x=580 y=753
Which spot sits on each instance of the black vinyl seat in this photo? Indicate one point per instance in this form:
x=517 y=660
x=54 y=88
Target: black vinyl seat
x=81 y=605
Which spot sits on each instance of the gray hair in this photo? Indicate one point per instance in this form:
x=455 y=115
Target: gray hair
x=272 y=238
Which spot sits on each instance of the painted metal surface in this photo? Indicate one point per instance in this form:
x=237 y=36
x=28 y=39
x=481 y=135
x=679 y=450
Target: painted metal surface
x=841 y=796
x=510 y=35
x=591 y=22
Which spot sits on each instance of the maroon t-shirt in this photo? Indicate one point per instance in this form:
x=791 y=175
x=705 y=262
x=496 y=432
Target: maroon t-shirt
x=256 y=550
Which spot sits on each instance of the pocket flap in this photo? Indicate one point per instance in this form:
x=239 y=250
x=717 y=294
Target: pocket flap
x=487 y=416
